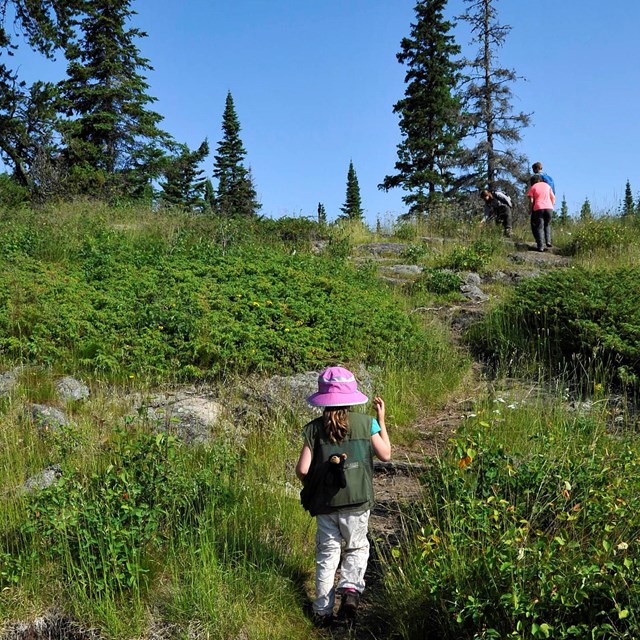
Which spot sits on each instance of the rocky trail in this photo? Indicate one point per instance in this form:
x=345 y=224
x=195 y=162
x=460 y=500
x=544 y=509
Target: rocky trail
x=397 y=483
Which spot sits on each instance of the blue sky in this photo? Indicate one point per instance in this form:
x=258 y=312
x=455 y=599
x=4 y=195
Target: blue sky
x=314 y=84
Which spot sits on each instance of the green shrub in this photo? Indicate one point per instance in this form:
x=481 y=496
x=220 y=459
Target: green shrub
x=405 y=231
x=584 y=321
x=338 y=247
x=103 y=529
x=414 y=253
x=438 y=281
x=130 y=303
x=473 y=257
x=603 y=234
x=542 y=546
x=296 y=232
x=12 y=195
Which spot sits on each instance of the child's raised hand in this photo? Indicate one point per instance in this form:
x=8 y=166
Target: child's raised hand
x=378 y=403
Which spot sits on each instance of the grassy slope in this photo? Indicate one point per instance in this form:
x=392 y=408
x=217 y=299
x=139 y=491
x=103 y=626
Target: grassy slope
x=243 y=565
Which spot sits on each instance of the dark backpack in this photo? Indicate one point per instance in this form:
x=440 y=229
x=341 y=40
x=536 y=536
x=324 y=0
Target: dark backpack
x=324 y=480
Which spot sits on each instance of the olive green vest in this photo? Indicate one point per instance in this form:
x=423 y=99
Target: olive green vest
x=358 y=467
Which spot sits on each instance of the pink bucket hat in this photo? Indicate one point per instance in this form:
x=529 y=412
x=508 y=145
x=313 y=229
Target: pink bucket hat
x=337 y=387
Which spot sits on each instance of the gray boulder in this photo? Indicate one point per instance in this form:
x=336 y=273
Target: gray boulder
x=403 y=269
x=43 y=479
x=473 y=293
x=47 y=418
x=472 y=279
x=191 y=416
x=71 y=389
x=8 y=380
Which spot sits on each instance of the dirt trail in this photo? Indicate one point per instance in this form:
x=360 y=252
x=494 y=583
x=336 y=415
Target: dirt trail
x=396 y=483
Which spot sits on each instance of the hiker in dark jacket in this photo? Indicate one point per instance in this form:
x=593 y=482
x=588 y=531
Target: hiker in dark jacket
x=497 y=205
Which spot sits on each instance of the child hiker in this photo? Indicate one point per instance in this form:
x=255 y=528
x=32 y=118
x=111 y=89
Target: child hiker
x=336 y=467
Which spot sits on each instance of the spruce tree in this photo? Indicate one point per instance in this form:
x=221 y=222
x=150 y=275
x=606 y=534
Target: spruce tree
x=27 y=116
x=585 y=211
x=352 y=207
x=28 y=137
x=628 y=208
x=114 y=145
x=322 y=214
x=209 y=196
x=430 y=112
x=235 y=194
x=564 y=211
x=45 y=24
x=184 y=185
x=492 y=160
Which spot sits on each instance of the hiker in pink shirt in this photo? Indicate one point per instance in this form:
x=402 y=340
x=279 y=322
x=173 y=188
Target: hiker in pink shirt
x=542 y=201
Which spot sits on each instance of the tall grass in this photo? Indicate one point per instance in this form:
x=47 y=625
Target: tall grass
x=247 y=568
x=525 y=519
x=524 y=532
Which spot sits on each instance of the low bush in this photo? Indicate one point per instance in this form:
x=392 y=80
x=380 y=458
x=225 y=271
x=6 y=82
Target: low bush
x=103 y=529
x=472 y=257
x=437 y=281
x=123 y=302
x=405 y=231
x=578 y=320
x=527 y=547
x=602 y=234
x=414 y=253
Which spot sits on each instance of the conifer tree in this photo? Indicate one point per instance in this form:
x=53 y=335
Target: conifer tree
x=564 y=211
x=585 y=211
x=184 y=185
x=114 y=146
x=28 y=137
x=352 y=207
x=628 y=208
x=209 y=196
x=235 y=194
x=430 y=112
x=322 y=214
x=495 y=128
x=27 y=115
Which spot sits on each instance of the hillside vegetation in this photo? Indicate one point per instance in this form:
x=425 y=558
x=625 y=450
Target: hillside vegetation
x=158 y=297
x=528 y=523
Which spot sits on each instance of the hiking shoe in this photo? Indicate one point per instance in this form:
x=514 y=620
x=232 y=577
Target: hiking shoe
x=321 y=622
x=349 y=604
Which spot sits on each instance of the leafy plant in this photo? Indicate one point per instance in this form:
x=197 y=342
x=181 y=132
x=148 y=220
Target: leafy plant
x=127 y=304
x=578 y=319
x=103 y=528
x=538 y=546
x=437 y=281
x=602 y=234
x=406 y=231
x=414 y=253
x=471 y=257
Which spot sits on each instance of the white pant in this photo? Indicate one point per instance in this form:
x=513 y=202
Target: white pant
x=348 y=528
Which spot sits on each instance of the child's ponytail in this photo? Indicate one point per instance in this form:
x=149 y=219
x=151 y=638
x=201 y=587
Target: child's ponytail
x=336 y=423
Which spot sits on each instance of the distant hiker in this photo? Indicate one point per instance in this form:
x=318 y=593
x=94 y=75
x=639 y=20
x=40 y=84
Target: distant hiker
x=497 y=205
x=542 y=202
x=537 y=170
x=342 y=513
